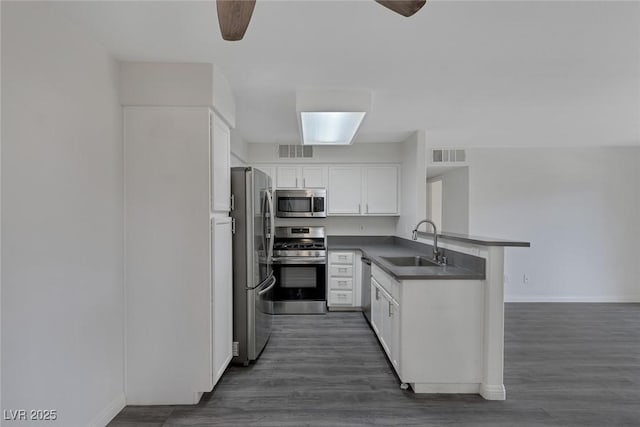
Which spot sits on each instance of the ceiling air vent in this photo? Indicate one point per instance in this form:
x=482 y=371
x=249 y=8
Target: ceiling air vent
x=295 y=151
x=448 y=156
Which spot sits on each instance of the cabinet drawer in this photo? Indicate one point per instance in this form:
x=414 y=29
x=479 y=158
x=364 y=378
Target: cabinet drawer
x=386 y=281
x=341 y=283
x=340 y=298
x=341 y=257
x=341 y=270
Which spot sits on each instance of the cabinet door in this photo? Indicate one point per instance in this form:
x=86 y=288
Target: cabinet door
x=385 y=322
x=345 y=190
x=394 y=335
x=376 y=303
x=271 y=171
x=220 y=163
x=339 y=298
x=313 y=177
x=381 y=190
x=287 y=177
x=221 y=296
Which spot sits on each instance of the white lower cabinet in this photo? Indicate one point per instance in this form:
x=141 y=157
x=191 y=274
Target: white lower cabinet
x=341 y=270
x=343 y=281
x=431 y=331
x=385 y=319
x=340 y=298
x=392 y=331
x=376 y=303
x=221 y=296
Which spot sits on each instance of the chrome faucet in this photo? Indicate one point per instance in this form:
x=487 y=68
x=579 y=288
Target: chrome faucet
x=414 y=236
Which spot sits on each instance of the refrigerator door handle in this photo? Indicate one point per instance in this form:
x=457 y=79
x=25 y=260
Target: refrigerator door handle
x=265 y=234
x=272 y=225
x=268 y=288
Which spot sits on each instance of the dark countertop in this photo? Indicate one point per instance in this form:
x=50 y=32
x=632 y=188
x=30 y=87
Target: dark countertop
x=476 y=240
x=461 y=266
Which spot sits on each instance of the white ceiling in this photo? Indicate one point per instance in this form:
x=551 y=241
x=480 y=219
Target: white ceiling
x=472 y=73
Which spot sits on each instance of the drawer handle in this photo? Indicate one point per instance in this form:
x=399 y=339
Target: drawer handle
x=342 y=269
x=342 y=282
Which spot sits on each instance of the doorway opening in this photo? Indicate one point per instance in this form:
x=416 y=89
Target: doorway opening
x=448 y=197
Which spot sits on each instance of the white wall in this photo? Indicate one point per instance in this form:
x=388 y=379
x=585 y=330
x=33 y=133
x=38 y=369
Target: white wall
x=455 y=200
x=177 y=84
x=348 y=226
x=579 y=208
x=413 y=183
x=239 y=149
x=355 y=153
x=62 y=247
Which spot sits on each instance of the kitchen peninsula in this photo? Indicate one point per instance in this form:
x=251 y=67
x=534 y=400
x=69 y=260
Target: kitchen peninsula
x=441 y=326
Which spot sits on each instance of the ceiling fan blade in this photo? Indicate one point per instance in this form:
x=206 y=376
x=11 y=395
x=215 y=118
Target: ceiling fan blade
x=234 y=17
x=403 y=7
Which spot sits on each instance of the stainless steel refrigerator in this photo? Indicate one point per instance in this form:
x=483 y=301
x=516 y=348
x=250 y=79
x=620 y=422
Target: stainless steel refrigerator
x=253 y=279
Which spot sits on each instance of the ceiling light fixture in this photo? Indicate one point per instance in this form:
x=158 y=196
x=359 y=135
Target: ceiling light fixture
x=331 y=117
x=330 y=127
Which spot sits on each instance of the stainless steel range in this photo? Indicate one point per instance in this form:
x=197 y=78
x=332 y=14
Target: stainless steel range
x=300 y=268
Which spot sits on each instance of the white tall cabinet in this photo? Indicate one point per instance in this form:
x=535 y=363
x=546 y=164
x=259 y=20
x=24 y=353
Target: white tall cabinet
x=178 y=271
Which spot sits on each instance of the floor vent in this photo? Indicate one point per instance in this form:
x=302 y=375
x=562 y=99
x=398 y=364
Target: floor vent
x=295 y=151
x=448 y=156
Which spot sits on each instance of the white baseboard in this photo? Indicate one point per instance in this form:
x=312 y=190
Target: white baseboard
x=493 y=391
x=445 y=387
x=109 y=412
x=612 y=299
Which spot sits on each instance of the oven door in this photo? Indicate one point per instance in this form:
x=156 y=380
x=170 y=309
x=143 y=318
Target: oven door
x=300 y=279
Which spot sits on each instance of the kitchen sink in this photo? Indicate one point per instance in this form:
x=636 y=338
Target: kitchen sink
x=411 y=261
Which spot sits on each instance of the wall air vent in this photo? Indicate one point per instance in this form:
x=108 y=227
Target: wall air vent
x=448 y=156
x=295 y=151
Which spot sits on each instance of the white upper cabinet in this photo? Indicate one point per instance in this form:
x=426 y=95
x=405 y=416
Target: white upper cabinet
x=269 y=170
x=220 y=164
x=301 y=177
x=314 y=177
x=287 y=177
x=381 y=190
x=363 y=190
x=345 y=190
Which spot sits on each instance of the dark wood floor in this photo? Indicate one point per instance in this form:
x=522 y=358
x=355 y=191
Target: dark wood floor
x=565 y=365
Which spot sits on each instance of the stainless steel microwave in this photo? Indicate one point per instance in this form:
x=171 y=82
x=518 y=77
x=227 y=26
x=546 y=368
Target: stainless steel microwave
x=303 y=203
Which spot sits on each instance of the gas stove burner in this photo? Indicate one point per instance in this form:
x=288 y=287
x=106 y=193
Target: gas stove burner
x=292 y=245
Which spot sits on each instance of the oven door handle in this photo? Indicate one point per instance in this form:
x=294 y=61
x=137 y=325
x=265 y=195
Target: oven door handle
x=268 y=288
x=289 y=260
